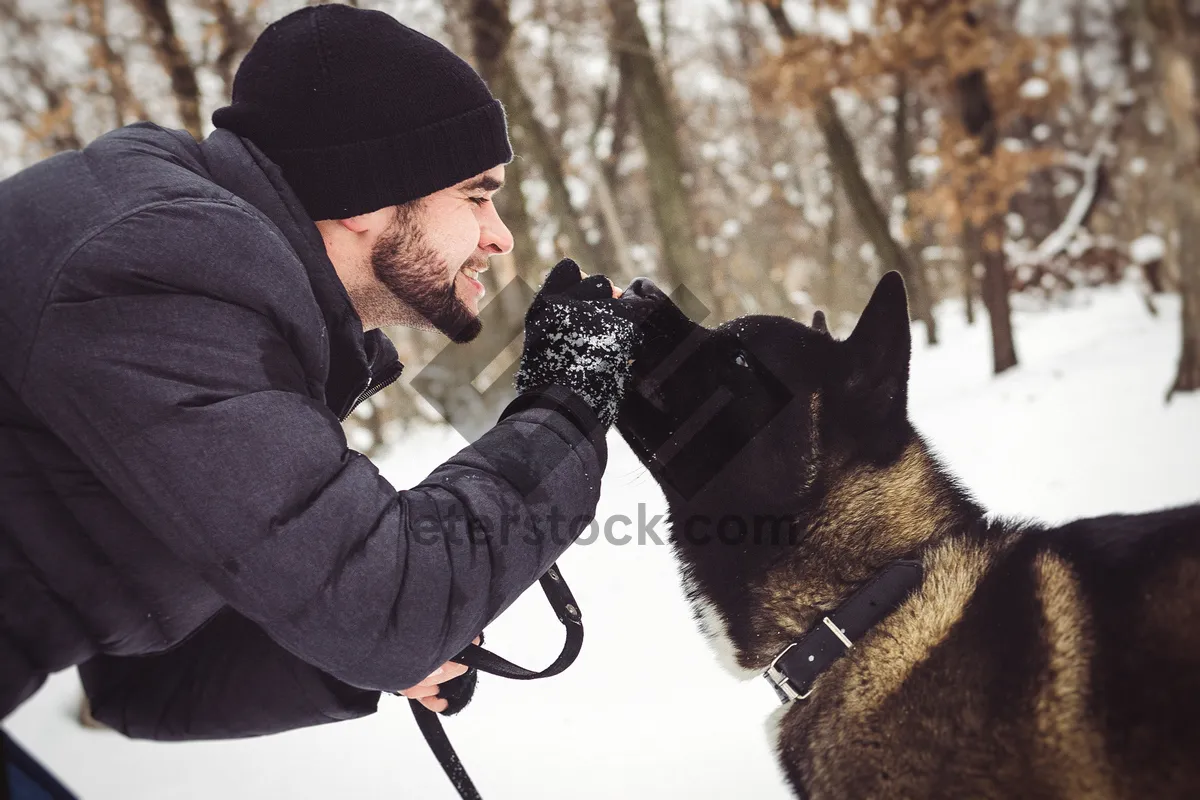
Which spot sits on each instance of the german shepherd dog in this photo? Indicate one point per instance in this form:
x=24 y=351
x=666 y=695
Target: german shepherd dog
x=922 y=649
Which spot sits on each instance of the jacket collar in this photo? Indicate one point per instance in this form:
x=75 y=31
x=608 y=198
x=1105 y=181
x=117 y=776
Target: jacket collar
x=355 y=358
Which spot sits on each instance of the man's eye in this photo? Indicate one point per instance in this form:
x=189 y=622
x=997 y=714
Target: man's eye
x=479 y=201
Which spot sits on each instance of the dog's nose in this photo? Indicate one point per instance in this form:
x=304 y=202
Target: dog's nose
x=644 y=287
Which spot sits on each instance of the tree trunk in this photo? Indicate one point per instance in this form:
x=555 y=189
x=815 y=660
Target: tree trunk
x=867 y=210
x=682 y=261
x=664 y=29
x=620 y=132
x=970 y=257
x=832 y=232
x=871 y=216
x=979 y=120
x=1187 y=377
x=1173 y=34
x=622 y=266
x=613 y=246
x=995 y=295
x=236 y=38
x=126 y=106
x=1187 y=207
x=170 y=52
x=921 y=297
x=491 y=32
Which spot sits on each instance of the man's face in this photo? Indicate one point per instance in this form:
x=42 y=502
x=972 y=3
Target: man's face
x=417 y=265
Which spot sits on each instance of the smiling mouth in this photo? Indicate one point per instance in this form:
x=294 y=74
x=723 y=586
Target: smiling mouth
x=474 y=272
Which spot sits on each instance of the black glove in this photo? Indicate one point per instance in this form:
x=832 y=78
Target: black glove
x=578 y=336
x=457 y=692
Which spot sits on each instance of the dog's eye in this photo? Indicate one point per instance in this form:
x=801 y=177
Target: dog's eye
x=740 y=359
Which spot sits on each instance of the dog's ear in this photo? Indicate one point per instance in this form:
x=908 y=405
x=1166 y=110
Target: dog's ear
x=879 y=350
x=819 y=325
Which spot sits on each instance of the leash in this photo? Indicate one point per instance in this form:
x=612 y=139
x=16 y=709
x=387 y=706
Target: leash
x=567 y=611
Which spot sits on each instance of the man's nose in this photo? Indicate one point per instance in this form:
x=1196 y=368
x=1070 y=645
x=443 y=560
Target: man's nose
x=494 y=235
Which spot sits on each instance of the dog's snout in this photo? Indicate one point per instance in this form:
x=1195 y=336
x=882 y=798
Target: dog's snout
x=644 y=287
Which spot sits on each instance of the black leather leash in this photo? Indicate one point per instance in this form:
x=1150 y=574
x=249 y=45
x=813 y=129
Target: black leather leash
x=567 y=611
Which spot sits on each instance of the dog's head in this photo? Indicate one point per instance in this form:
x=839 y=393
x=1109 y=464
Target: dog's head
x=786 y=456
x=754 y=416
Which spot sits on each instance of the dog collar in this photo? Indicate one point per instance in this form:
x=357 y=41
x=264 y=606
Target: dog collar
x=794 y=670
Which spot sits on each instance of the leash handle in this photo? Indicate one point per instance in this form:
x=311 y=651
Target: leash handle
x=565 y=607
x=430 y=723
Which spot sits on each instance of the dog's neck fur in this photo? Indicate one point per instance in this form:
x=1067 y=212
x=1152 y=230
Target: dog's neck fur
x=868 y=519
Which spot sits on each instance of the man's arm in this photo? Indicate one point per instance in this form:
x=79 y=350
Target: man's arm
x=228 y=680
x=176 y=384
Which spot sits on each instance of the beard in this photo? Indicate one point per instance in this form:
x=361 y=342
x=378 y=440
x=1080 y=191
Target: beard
x=410 y=283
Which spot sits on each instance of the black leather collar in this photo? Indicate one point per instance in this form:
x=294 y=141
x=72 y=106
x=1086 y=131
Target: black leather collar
x=793 y=671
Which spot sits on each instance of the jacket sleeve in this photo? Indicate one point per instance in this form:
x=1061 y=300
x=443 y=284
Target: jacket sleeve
x=176 y=383
x=228 y=680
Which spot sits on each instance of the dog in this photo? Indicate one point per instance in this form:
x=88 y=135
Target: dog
x=921 y=648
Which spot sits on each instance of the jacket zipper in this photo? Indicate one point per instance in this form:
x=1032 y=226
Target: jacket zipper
x=371 y=390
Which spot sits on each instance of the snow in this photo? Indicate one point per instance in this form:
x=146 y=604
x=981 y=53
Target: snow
x=1147 y=248
x=1061 y=237
x=1035 y=89
x=1080 y=428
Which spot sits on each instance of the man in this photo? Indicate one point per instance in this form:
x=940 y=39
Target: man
x=183 y=326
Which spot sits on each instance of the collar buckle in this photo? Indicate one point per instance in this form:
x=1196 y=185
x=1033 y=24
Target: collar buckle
x=782 y=683
x=827 y=641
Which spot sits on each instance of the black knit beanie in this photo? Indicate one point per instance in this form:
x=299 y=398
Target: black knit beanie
x=361 y=112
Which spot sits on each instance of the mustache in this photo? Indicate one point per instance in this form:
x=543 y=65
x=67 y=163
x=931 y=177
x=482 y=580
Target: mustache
x=478 y=261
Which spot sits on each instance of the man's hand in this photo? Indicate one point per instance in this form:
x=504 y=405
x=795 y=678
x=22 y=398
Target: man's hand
x=427 y=690
x=578 y=335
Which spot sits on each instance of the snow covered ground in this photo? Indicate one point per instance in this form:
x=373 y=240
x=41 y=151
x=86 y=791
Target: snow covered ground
x=1080 y=428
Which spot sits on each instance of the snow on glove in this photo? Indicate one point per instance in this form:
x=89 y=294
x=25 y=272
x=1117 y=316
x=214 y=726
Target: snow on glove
x=578 y=336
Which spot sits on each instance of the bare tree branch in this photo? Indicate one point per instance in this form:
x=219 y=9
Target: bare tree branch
x=174 y=58
x=126 y=105
x=236 y=34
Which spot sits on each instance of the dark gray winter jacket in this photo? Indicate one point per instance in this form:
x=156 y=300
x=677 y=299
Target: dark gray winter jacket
x=179 y=511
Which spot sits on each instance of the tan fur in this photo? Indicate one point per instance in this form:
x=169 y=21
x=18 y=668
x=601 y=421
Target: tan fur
x=879 y=665
x=1073 y=754
x=953 y=569
x=902 y=500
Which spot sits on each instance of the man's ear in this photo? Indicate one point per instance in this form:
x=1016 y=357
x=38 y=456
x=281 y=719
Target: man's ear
x=358 y=224
x=878 y=352
x=379 y=219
